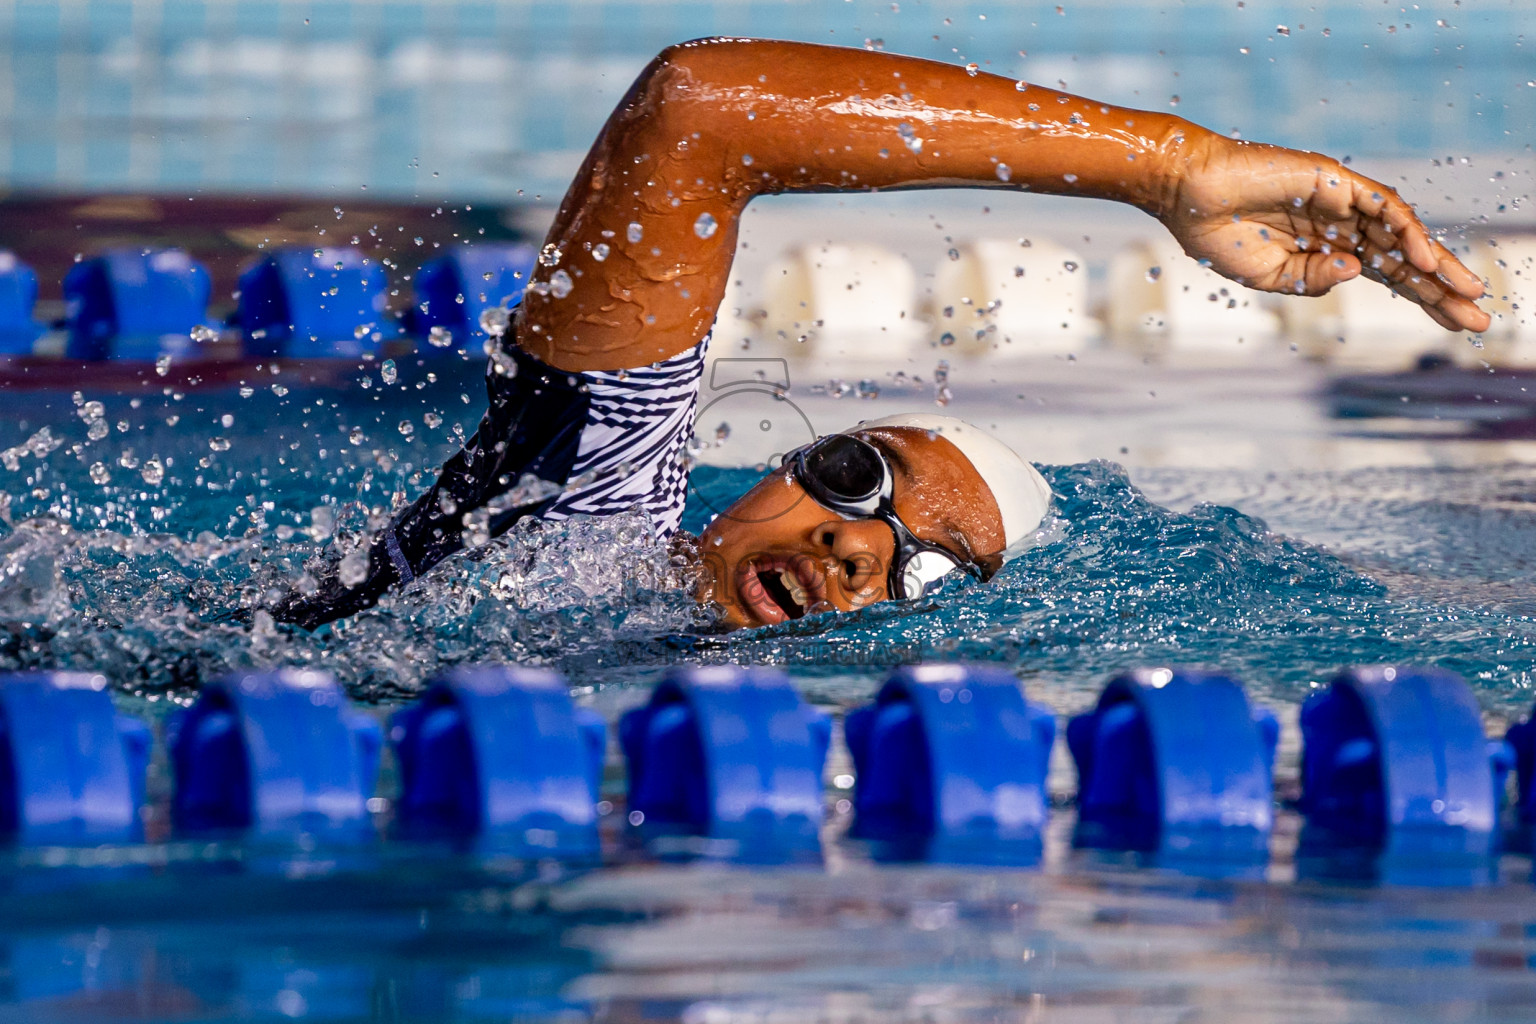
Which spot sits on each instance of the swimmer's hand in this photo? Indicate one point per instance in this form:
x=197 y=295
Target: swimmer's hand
x=1282 y=220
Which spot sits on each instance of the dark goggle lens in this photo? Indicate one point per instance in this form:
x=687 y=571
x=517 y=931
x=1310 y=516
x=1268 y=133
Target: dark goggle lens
x=845 y=466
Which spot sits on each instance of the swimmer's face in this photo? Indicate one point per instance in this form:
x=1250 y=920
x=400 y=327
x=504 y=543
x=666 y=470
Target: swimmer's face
x=776 y=554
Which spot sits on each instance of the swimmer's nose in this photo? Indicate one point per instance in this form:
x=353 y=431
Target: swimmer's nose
x=859 y=549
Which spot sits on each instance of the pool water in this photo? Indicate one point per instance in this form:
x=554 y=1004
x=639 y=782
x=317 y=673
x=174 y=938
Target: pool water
x=141 y=532
x=139 y=524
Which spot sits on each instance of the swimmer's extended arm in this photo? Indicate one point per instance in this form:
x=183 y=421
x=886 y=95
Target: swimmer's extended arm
x=647 y=232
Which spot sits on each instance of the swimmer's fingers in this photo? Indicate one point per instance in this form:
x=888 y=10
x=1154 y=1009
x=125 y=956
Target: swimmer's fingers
x=1392 y=224
x=1446 y=307
x=1310 y=273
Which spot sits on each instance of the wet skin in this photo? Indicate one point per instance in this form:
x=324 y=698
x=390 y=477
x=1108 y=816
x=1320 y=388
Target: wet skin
x=635 y=264
x=710 y=125
x=776 y=554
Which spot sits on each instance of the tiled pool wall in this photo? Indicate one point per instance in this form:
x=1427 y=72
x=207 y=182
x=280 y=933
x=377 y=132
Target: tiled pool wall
x=496 y=101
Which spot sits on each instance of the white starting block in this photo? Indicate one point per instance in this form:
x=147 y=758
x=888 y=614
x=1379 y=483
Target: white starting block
x=845 y=300
x=1363 y=323
x=1162 y=301
x=1508 y=264
x=1012 y=298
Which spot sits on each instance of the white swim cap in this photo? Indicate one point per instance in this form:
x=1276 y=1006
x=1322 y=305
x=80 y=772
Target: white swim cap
x=1021 y=493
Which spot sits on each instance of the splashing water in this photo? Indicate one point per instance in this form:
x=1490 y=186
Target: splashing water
x=156 y=572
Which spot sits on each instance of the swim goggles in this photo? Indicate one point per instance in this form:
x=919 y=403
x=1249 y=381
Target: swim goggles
x=848 y=475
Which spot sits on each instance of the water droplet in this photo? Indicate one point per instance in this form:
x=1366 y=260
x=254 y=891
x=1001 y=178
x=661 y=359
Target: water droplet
x=560 y=284
x=247 y=391
x=406 y=428
x=356 y=436
x=219 y=444
x=494 y=320
x=226 y=421
x=705 y=226
x=441 y=337
x=909 y=136
x=98 y=430
x=946 y=339
x=973 y=69
x=1173 y=101
x=600 y=251
x=1070 y=266
x=868 y=389
x=954 y=254
x=163 y=365
x=1069 y=178
x=388 y=372
x=746 y=159
x=1153 y=273
x=549 y=255
x=722 y=432
x=432 y=420
x=153 y=472
x=204 y=335
x=1285 y=30
x=100 y=474
x=353 y=568
x=1004 y=172
x=634 y=232
x=1021 y=85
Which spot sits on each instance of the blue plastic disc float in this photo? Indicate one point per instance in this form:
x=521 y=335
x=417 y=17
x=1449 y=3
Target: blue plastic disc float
x=274 y=756
x=18 y=295
x=500 y=757
x=1399 y=778
x=1176 y=763
x=314 y=304
x=950 y=765
x=71 y=768
x=134 y=304
x=454 y=290
x=728 y=760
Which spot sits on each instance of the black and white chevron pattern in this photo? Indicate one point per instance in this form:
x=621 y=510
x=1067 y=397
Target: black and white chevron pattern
x=633 y=450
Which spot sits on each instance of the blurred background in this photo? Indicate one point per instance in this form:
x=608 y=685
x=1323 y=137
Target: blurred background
x=229 y=128
x=496 y=102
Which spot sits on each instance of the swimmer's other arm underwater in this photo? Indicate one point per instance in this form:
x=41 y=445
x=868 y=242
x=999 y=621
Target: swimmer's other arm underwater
x=608 y=344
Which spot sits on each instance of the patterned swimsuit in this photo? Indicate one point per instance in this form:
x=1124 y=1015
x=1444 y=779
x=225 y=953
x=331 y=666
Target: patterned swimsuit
x=611 y=441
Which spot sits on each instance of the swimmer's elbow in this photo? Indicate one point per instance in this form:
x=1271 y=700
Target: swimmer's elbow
x=677 y=79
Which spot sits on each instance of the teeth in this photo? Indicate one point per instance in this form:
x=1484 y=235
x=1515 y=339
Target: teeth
x=792 y=584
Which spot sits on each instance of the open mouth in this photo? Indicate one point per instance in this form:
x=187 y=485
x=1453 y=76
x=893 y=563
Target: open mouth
x=777 y=589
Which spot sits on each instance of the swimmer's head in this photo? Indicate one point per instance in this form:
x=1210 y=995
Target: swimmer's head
x=885 y=510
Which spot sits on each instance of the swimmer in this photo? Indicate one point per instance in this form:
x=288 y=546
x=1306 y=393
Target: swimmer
x=595 y=387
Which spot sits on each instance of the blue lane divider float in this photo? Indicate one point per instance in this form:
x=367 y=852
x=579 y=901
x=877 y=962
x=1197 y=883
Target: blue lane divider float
x=274 y=756
x=1395 y=762
x=454 y=290
x=71 y=768
x=501 y=756
x=18 y=295
x=1521 y=740
x=732 y=756
x=131 y=304
x=728 y=761
x=950 y=765
x=1176 y=763
x=324 y=303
